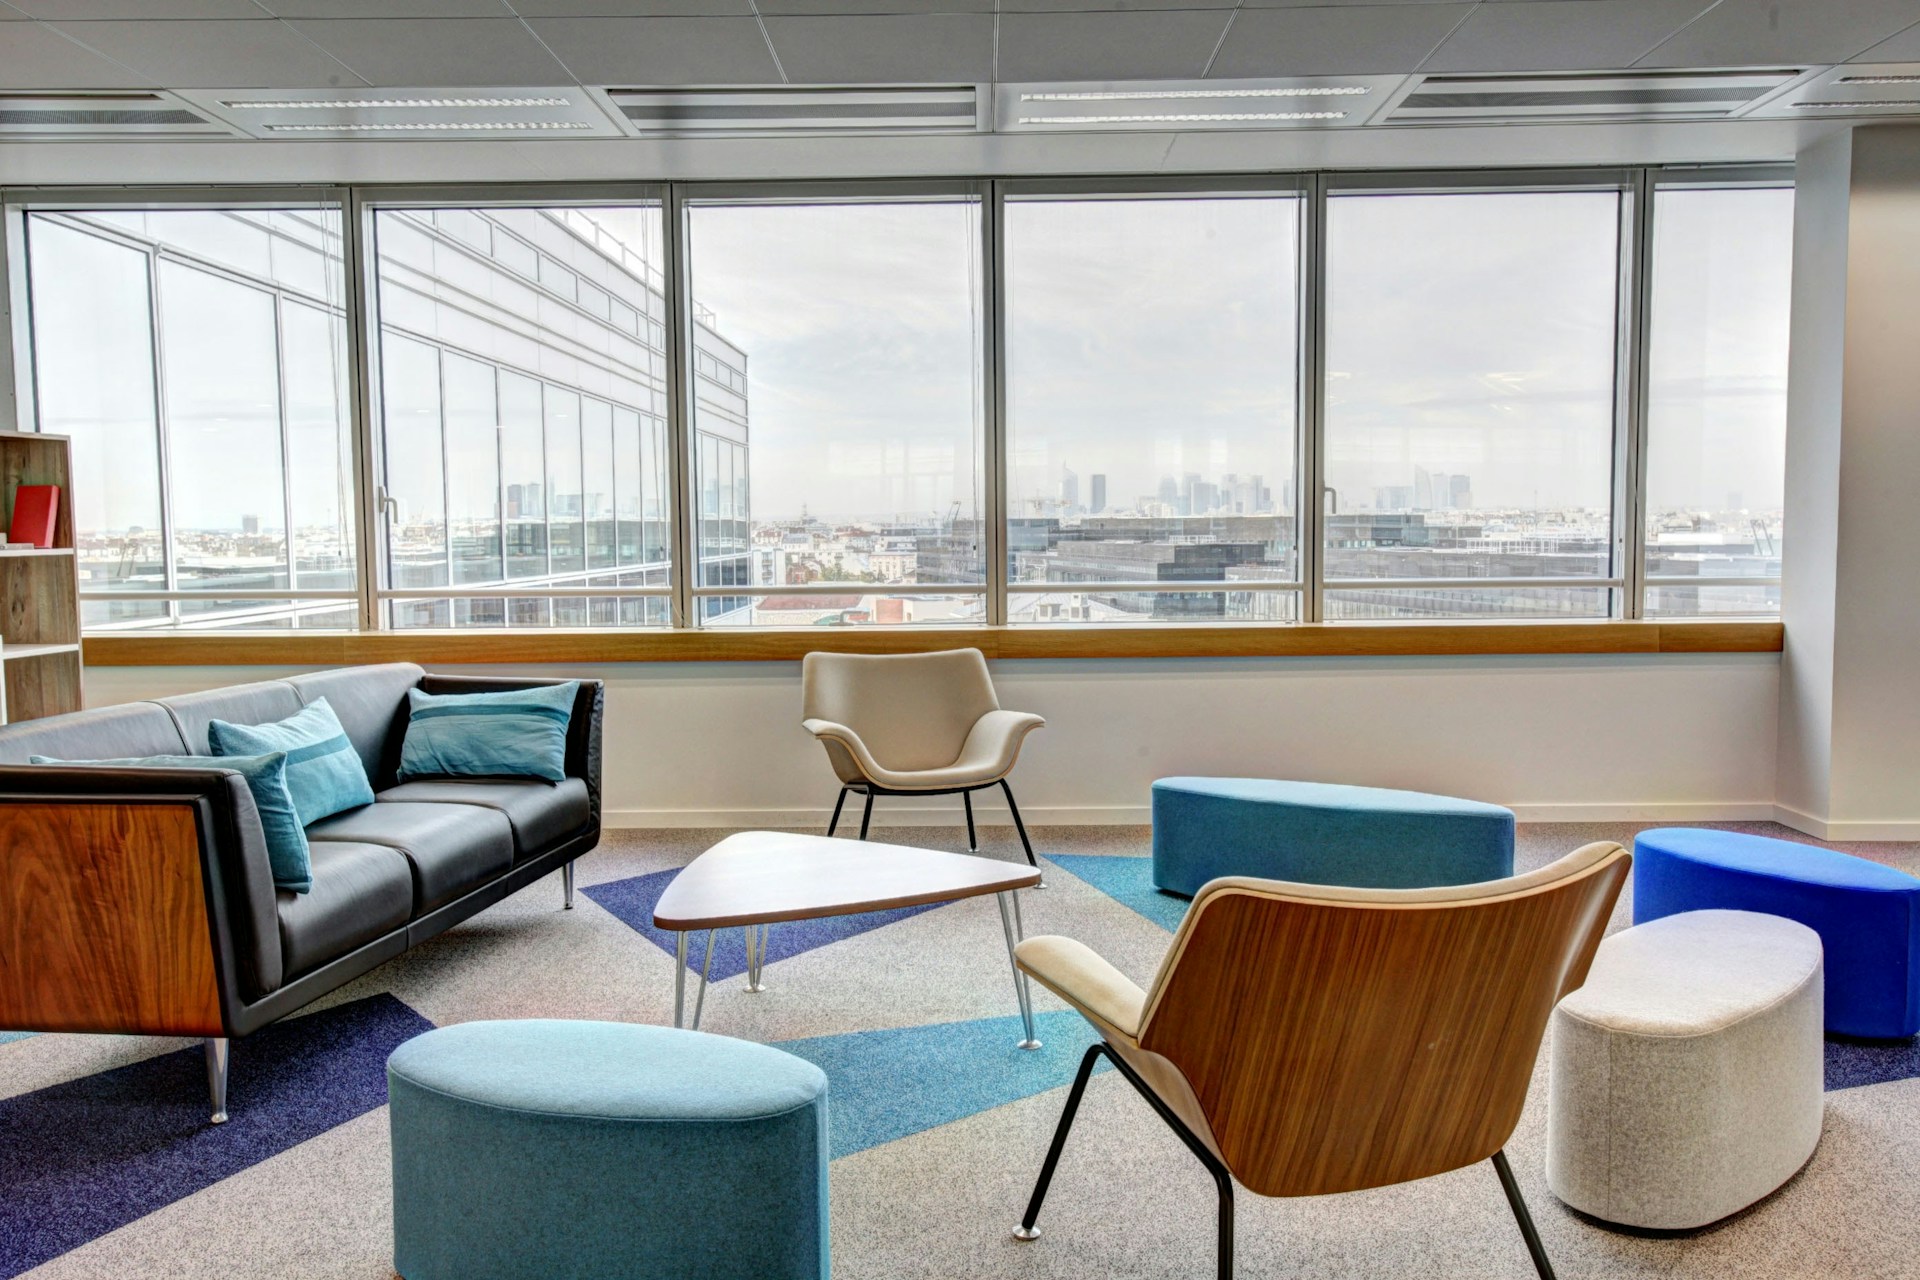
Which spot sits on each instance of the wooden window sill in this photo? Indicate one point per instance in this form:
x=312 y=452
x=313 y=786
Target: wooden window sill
x=1334 y=639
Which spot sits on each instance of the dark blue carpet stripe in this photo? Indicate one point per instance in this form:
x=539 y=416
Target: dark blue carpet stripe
x=632 y=901
x=1852 y=1063
x=1128 y=881
x=80 y=1159
x=885 y=1085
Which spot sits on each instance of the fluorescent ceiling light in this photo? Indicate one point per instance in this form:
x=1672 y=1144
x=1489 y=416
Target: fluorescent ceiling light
x=1878 y=80
x=348 y=104
x=1188 y=118
x=452 y=126
x=1879 y=102
x=1134 y=95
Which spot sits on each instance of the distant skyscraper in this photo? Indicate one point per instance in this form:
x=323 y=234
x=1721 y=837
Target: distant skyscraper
x=1097 y=500
x=1069 y=489
x=1188 y=482
x=1460 y=492
x=1170 y=493
x=250 y=526
x=1422 y=489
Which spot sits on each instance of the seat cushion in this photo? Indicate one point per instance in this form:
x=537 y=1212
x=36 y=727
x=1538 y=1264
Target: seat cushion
x=452 y=847
x=360 y=891
x=541 y=813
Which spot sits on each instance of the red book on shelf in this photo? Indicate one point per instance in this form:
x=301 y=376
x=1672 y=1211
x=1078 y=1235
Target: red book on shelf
x=34 y=508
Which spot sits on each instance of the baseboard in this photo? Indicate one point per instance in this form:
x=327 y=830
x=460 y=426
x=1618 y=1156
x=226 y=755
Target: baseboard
x=1838 y=832
x=946 y=813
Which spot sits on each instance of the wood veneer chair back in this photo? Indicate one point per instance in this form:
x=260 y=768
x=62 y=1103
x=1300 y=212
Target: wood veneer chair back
x=912 y=710
x=1337 y=1039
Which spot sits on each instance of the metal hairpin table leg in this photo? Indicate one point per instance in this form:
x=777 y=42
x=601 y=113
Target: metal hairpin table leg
x=679 y=976
x=1010 y=925
x=757 y=955
x=700 y=998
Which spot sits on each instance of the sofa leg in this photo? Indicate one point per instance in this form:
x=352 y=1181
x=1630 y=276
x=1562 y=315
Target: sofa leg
x=217 y=1055
x=566 y=886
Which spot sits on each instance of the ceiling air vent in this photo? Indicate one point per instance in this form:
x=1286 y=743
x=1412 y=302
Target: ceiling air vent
x=57 y=117
x=1298 y=102
x=706 y=113
x=1653 y=95
x=1854 y=90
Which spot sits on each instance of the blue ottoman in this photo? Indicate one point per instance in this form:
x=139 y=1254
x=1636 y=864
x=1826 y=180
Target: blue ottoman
x=1867 y=915
x=582 y=1150
x=1321 y=833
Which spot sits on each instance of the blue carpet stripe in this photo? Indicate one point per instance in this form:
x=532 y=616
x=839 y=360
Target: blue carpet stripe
x=9 y=1036
x=1852 y=1063
x=86 y=1157
x=632 y=902
x=887 y=1085
x=1129 y=882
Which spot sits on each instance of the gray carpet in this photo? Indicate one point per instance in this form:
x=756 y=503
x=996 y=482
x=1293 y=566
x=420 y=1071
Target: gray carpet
x=1129 y=1200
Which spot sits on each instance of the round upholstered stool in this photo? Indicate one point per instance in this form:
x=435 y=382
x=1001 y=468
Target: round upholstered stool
x=1687 y=1074
x=1322 y=833
x=1867 y=914
x=600 y=1149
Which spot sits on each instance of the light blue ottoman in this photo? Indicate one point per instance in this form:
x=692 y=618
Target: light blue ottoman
x=591 y=1150
x=1323 y=833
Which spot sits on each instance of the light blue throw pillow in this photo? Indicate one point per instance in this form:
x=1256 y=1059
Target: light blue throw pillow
x=324 y=773
x=266 y=776
x=518 y=733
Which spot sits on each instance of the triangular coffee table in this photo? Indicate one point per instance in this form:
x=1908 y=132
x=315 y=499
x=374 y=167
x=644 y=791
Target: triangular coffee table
x=760 y=878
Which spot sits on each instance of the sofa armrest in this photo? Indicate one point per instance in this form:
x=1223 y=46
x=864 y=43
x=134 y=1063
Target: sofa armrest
x=583 y=727
x=132 y=900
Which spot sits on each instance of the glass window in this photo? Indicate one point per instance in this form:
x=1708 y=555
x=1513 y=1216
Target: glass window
x=1152 y=396
x=473 y=470
x=197 y=358
x=1717 y=399
x=1470 y=400
x=839 y=409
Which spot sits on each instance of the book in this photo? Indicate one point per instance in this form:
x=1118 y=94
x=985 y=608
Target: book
x=35 y=508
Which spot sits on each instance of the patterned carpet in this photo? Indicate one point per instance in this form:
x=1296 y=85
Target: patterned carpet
x=938 y=1121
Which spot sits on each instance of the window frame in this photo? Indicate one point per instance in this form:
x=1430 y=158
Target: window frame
x=1628 y=583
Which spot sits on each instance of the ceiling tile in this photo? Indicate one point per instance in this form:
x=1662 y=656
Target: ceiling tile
x=1108 y=46
x=389 y=8
x=644 y=8
x=37 y=57
x=436 y=51
x=1561 y=35
x=1904 y=47
x=885 y=48
x=636 y=52
x=86 y=10
x=1340 y=4
x=1748 y=33
x=1349 y=39
x=215 y=55
x=1107 y=6
x=802 y=8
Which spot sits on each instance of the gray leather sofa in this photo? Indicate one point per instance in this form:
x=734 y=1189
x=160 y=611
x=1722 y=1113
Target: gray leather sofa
x=104 y=929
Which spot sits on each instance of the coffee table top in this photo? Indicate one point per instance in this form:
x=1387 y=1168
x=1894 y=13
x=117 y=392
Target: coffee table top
x=764 y=877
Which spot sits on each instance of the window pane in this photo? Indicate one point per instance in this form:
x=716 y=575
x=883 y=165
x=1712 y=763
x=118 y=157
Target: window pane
x=1717 y=397
x=416 y=468
x=1470 y=397
x=853 y=330
x=246 y=419
x=1152 y=394
x=537 y=366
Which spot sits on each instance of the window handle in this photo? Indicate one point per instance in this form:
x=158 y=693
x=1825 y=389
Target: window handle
x=389 y=505
x=1331 y=495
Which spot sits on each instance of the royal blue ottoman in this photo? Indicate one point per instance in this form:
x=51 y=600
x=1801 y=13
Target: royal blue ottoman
x=605 y=1151
x=1322 y=833
x=1867 y=915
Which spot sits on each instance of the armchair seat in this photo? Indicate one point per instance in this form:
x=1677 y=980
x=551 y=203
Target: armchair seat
x=986 y=756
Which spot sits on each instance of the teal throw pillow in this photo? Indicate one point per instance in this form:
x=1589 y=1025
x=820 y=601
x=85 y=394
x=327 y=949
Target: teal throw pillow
x=519 y=733
x=324 y=773
x=266 y=777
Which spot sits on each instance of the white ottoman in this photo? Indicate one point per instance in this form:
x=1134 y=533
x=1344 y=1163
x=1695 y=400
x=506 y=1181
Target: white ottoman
x=1688 y=1073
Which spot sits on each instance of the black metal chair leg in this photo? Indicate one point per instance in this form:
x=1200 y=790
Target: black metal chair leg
x=1520 y=1214
x=973 y=841
x=833 y=823
x=1027 y=1230
x=1224 y=1249
x=866 y=815
x=1018 y=825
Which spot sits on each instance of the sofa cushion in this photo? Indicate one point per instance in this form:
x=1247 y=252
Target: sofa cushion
x=324 y=774
x=452 y=847
x=360 y=891
x=510 y=733
x=541 y=813
x=371 y=703
x=130 y=729
x=260 y=703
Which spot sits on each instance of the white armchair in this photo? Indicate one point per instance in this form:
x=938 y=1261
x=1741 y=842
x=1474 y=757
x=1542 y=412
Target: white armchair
x=913 y=724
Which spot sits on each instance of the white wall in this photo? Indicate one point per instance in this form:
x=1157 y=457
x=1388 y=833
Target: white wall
x=1681 y=737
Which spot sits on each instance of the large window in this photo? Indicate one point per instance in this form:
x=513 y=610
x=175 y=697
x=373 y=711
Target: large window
x=1470 y=403
x=197 y=358
x=1152 y=397
x=844 y=483
x=1232 y=400
x=1717 y=399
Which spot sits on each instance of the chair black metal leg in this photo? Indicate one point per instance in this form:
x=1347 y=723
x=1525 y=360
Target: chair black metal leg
x=1027 y=1230
x=1018 y=825
x=866 y=814
x=833 y=823
x=973 y=841
x=1520 y=1214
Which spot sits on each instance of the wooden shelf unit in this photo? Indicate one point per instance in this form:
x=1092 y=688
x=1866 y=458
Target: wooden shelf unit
x=39 y=588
